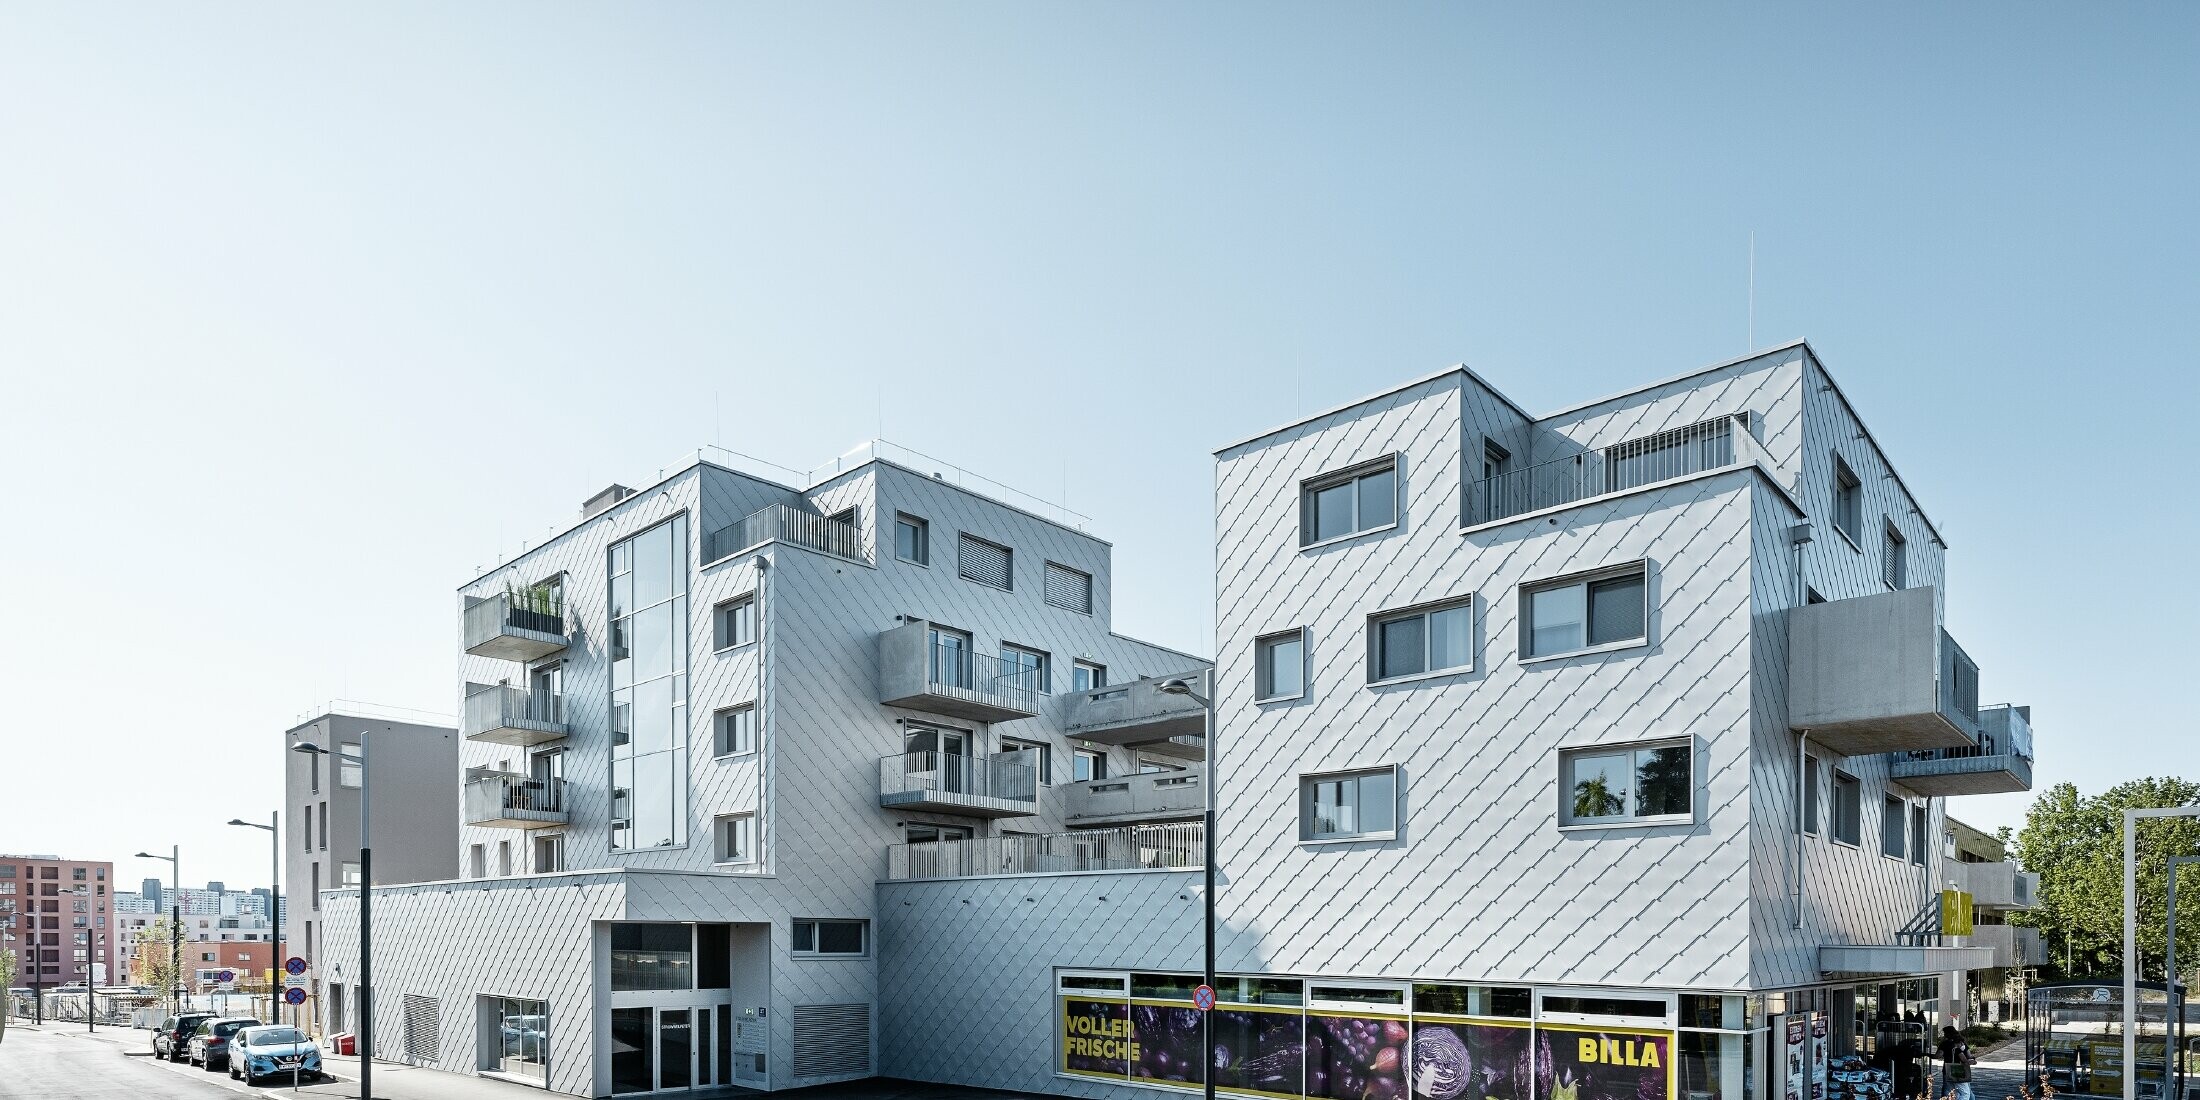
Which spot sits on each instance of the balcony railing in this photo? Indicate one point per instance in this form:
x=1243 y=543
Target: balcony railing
x=1679 y=452
x=505 y=715
x=505 y=800
x=1138 y=711
x=507 y=627
x=1152 y=796
x=918 y=670
x=2000 y=762
x=781 y=523
x=1001 y=785
x=1174 y=847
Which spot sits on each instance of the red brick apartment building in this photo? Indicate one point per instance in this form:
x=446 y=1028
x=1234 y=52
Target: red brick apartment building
x=57 y=916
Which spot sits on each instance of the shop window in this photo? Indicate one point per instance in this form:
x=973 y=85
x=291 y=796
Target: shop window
x=652 y=956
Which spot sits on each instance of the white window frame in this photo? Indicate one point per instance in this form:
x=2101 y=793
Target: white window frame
x=813 y=952
x=1316 y=1004
x=719 y=745
x=747 y=834
x=350 y=763
x=1424 y=611
x=1305 y=795
x=923 y=528
x=1671 y=1001
x=1045 y=754
x=1352 y=475
x=1079 y=755
x=1121 y=977
x=1096 y=678
x=1297 y=633
x=718 y=622
x=1632 y=820
x=1525 y=597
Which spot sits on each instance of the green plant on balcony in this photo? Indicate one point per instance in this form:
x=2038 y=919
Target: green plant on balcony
x=536 y=606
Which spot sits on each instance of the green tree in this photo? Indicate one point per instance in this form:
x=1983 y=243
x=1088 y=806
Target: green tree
x=2076 y=845
x=1593 y=798
x=153 y=964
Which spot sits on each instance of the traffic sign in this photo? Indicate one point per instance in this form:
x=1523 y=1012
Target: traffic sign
x=294 y=981
x=295 y=965
x=1203 y=998
x=226 y=976
x=294 y=995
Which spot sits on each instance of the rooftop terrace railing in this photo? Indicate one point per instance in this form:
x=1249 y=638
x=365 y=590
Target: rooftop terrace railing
x=782 y=523
x=1678 y=452
x=1172 y=847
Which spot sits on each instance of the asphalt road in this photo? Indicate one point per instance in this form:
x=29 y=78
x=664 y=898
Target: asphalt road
x=49 y=1064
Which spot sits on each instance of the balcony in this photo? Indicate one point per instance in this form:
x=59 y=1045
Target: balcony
x=2001 y=762
x=502 y=800
x=783 y=523
x=1002 y=785
x=1179 y=847
x=1138 y=712
x=2012 y=945
x=1134 y=799
x=1877 y=674
x=1995 y=885
x=919 y=671
x=516 y=625
x=1714 y=444
x=504 y=715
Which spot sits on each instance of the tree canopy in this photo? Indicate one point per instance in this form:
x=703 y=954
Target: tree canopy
x=2076 y=845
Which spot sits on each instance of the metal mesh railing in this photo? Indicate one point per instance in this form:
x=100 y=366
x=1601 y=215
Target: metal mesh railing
x=1010 y=775
x=1677 y=452
x=781 y=523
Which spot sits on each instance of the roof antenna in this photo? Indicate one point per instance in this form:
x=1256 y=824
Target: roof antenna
x=1752 y=293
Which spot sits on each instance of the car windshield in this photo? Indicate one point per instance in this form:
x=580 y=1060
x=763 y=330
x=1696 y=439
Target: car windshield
x=231 y=1027
x=274 y=1037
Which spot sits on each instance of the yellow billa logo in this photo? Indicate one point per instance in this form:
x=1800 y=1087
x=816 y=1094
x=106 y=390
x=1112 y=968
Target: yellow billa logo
x=1621 y=1052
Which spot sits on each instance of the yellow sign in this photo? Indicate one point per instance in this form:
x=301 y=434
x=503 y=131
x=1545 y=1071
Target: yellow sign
x=1955 y=913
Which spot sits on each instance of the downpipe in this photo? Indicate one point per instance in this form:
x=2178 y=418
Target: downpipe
x=1799 y=537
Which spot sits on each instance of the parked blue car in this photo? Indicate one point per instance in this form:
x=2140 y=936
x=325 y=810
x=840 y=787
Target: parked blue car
x=273 y=1051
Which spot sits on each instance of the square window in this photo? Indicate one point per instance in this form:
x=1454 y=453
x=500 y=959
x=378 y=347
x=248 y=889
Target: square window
x=1349 y=502
x=735 y=729
x=1042 y=756
x=1068 y=589
x=1894 y=566
x=987 y=563
x=912 y=539
x=1433 y=638
x=1086 y=765
x=1279 y=666
x=1087 y=676
x=1027 y=669
x=1848 y=809
x=734 y=622
x=831 y=938
x=1586 y=611
x=1651 y=783
x=1848 y=501
x=1355 y=805
x=735 y=838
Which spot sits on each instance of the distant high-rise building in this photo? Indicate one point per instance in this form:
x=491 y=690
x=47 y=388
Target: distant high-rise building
x=56 y=915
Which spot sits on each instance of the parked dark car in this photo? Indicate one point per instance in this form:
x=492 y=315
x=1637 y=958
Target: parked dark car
x=172 y=1039
x=210 y=1043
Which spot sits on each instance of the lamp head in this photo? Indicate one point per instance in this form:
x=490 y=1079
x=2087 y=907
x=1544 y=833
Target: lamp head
x=1177 y=686
x=307 y=747
x=235 y=821
x=146 y=855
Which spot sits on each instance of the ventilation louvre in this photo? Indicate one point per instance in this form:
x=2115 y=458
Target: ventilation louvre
x=832 y=1040
x=423 y=1025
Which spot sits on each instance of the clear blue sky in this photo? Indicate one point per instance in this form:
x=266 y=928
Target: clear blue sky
x=306 y=312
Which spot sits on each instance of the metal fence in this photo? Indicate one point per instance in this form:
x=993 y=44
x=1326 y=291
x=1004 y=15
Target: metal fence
x=1678 y=452
x=781 y=523
x=1009 y=775
x=499 y=706
x=113 y=1009
x=1172 y=847
x=956 y=665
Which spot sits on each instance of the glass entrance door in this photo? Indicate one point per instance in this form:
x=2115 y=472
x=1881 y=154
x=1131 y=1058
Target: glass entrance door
x=675 y=1049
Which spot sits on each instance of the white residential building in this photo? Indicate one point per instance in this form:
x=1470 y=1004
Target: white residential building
x=695 y=723
x=1595 y=754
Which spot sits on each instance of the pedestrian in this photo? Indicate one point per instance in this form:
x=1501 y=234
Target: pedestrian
x=1956 y=1061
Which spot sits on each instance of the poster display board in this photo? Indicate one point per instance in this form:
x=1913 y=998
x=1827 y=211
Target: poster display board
x=1820 y=1057
x=1096 y=1038
x=1795 y=1057
x=1467 y=1059
x=1355 y=1057
x=1168 y=1041
x=1260 y=1050
x=1605 y=1063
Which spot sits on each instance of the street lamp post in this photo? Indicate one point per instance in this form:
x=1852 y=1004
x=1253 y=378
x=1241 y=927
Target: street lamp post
x=2176 y=999
x=175 y=924
x=1183 y=686
x=274 y=899
x=366 y=898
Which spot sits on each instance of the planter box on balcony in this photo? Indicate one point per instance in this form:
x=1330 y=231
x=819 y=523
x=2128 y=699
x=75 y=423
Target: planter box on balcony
x=496 y=629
